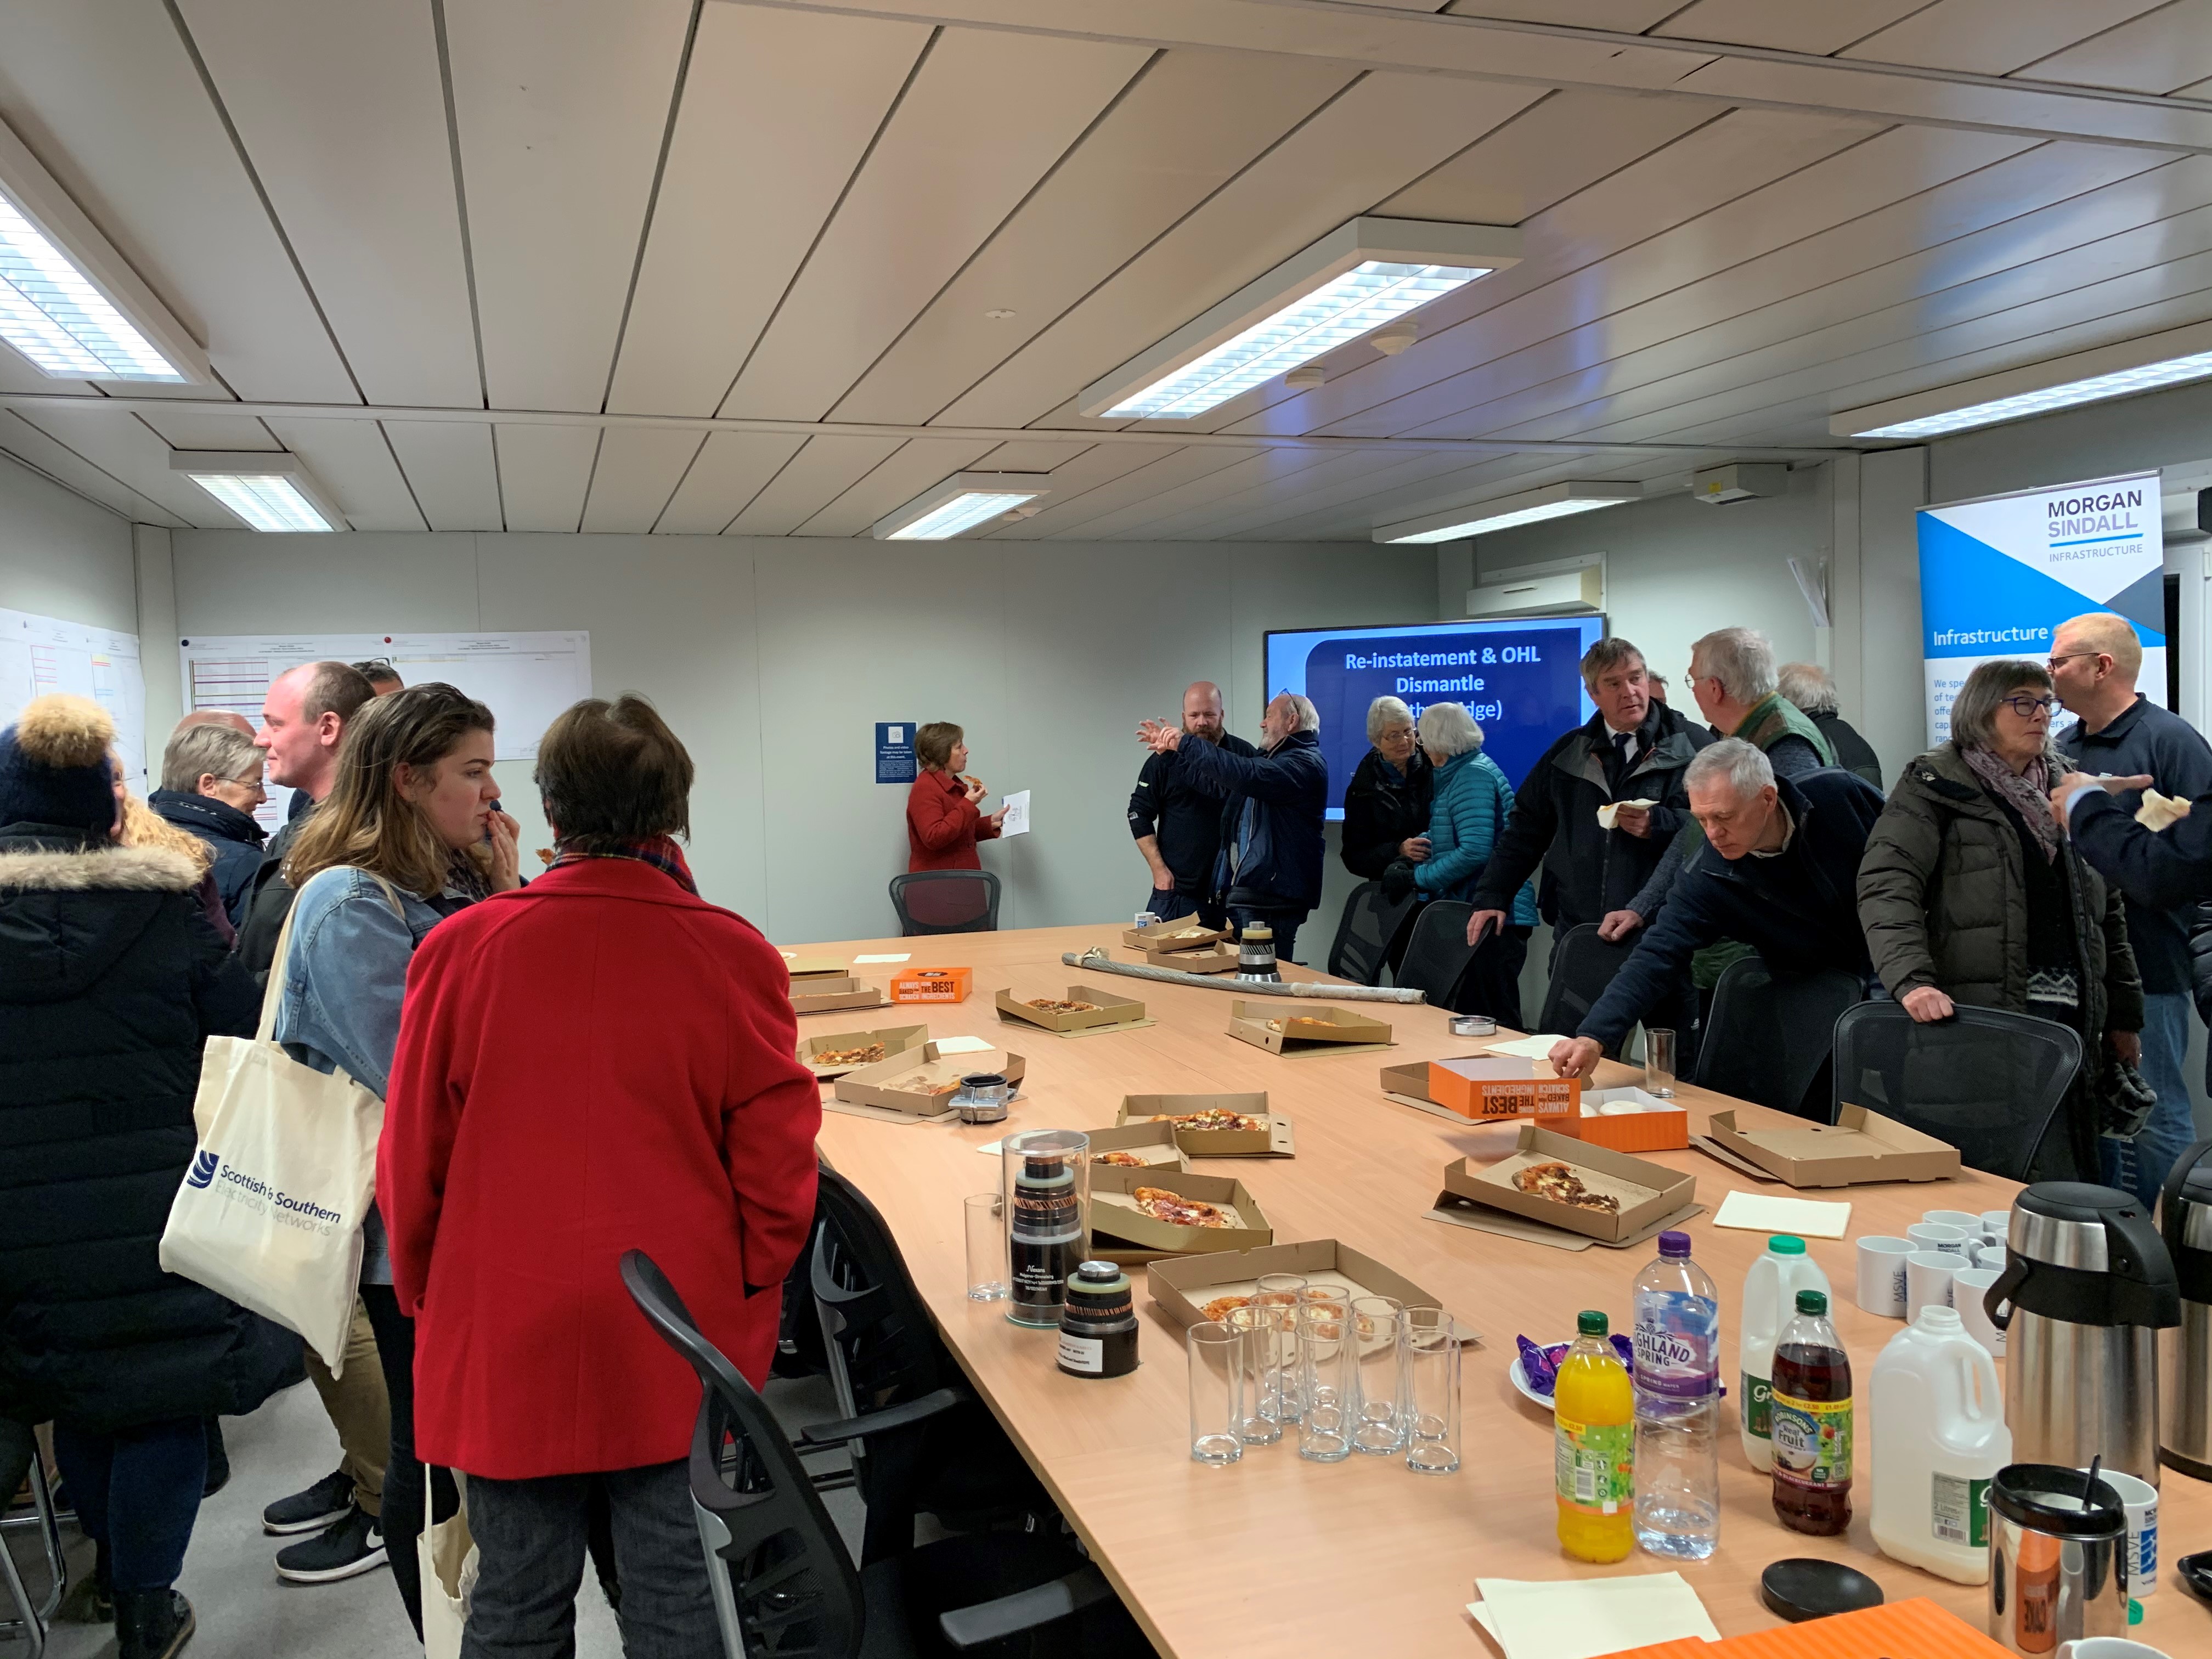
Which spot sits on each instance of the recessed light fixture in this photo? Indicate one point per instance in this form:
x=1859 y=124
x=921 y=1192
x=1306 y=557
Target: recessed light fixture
x=269 y=490
x=1359 y=277
x=961 y=503
x=1529 y=506
x=2083 y=377
x=69 y=303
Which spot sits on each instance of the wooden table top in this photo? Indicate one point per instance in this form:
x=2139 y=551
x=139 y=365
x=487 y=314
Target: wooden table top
x=1274 y=1555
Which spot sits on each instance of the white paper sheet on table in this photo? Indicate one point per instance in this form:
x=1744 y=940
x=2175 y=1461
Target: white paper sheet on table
x=887 y=955
x=1527 y=1047
x=1583 y=1618
x=1759 y=1212
x=1016 y=820
x=962 y=1045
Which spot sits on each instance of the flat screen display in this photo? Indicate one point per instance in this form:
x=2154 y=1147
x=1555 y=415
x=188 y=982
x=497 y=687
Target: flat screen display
x=1522 y=680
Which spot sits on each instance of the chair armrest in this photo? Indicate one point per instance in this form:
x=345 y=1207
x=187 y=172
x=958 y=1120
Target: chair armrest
x=887 y=1421
x=1010 y=1615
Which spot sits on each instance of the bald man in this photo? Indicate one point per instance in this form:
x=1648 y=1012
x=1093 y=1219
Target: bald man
x=1178 y=827
x=229 y=717
x=2094 y=661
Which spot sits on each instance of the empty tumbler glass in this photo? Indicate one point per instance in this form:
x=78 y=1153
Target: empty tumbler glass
x=1378 y=1332
x=1215 y=1393
x=1432 y=1361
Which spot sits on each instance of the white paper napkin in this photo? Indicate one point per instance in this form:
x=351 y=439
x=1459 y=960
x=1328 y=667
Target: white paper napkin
x=962 y=1045
x=1584 y=1618
x=891 y=956
x=1759 y=1212
x=1610 y=810
x=1527 y=1047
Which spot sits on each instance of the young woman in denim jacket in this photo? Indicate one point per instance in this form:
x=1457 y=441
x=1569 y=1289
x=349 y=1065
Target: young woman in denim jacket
x=409 y=834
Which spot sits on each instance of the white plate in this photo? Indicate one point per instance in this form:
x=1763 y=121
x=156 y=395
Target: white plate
x=1521 y=1383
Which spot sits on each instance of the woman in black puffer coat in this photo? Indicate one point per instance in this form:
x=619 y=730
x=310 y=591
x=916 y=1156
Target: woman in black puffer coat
x=111 y=978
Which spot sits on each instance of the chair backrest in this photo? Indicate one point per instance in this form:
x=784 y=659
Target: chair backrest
x=781 y=1581
x=1437 y=953
x=945 y=902
x=1988 y=1082
x=1364 y=933
x=1768 y=1039
x=882 y=1349
x=1582 y=967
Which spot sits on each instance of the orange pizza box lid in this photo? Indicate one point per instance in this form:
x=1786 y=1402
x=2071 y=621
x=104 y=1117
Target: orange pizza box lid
x=933 y=984
x=1918 y=1627
x=1491 y=1088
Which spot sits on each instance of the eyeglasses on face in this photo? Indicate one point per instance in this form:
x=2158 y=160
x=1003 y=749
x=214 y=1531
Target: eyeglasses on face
x=2028 y=707
x=2056 y=662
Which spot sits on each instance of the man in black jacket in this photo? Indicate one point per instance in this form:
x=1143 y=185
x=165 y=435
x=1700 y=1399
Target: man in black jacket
x=1269 y=870
x=1599 y=808
x=1784 y=881
x=1177 y=828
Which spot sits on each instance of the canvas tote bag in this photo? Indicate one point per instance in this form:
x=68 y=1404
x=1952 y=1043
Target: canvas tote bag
x=269 y=1214
x=448 y=1555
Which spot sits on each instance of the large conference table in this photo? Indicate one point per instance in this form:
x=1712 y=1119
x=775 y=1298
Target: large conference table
x=1274 y=1555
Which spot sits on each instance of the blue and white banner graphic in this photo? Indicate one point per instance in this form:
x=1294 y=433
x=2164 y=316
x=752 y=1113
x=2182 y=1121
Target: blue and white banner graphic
x=1998 y=575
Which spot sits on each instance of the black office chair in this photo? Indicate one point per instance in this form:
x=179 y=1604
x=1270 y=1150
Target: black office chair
x=1991 y=1083
x=945 y=902
x=782 y=1583
x=1437 y=954
x=1364 y=933
x=1583 y=965
x=930 y=1447
x=1769 y=1040
x=19 y=1458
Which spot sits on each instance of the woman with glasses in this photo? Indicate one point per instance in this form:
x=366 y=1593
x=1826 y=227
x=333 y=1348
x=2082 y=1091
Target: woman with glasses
x=1970 y=893
x=210 y=784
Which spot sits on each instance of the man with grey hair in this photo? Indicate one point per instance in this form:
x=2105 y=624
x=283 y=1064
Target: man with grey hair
x=1268 y=871
x=1812 y=689
x=1178 y=829
x=1781 y=874
x=1732 y=678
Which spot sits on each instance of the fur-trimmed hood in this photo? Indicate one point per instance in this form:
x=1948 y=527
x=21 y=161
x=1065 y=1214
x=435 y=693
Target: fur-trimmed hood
x=72 y=908
x=89 y=870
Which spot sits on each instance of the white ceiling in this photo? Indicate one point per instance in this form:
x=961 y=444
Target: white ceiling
x=713 y=266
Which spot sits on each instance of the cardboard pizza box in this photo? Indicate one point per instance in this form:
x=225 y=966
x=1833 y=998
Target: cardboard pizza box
x=1283 y=1027
x=1860 y=1146
x=1628 y=1120
x=871 y=1084
x=816 y=996
x=816 y=967
x=1115 y=1214
x=1184 y=1288
x=1646 y=1191
x=1208 y=959
x=1490 y=1089
x=1155 y=1143
x=1272 y=1139
x=1183 y=933
x=1107 y=1008
x=895 y=1039
x=931 y=984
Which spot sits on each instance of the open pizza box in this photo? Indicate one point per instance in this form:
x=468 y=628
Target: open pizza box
x=1208 y=959
x=1183 y=933
x=1155 y=1143
x=1287 y=1028
x=1194 y=1288
x=1629 y=1121
x=1490 y=1089
x=928 y=1079
x=820 y=995
x=1107 y=1008
x=1115 y=1215
x=1644 y=1190
x=804 y=969
x=1272 y=1139
x=1861 y=1146
x=813 y=1051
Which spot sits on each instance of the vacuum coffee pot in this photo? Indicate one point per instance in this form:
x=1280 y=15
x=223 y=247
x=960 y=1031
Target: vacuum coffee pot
x=2184 y=1351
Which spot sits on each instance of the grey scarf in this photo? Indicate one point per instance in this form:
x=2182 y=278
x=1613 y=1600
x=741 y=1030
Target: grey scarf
x=2027 y=793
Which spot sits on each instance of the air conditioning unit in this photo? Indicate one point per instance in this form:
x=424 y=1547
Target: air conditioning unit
x=1572 y=592
x=1740 y=482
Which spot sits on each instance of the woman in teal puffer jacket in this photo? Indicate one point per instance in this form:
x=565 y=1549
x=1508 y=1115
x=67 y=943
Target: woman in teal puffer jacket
x=1472 y=801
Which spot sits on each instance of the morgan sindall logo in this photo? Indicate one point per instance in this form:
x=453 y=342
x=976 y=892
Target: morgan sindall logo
x=205 y=1164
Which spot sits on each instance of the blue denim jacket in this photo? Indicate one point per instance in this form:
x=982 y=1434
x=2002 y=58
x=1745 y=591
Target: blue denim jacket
x=344 y=977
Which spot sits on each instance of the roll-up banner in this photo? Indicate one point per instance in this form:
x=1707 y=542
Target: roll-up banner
x=1998 y=575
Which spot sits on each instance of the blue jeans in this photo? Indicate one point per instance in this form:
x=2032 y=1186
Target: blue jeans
x=1170 y=906
x=136 y=1492
x=2141 y=1165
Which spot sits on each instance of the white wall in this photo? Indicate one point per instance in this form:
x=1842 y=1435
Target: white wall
x=773 y=659
x=62 y=556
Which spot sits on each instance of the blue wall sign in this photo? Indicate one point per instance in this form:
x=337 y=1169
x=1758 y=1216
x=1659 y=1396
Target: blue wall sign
x=895 y=751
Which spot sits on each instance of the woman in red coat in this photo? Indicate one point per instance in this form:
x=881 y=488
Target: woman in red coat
x=599 y=1062
x=943 y=820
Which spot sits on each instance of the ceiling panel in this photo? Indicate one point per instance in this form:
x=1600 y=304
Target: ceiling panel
x=1626 y=17
x=1301 y=496
x=1079 y=513
x=127 y=448
x=353 y=461
x=1073 y=479
x=103 y=91
x=920 y=465
x=1022 y=456
x=544 y=472
x=360 y=172
x=65 y=466
x=208 y=431
x=450 y=467
x=2160 y=51
x=1178 y=135
x=1821 y=26
x=1993 y=36
x=986 y=116
x=639 y=470
x=815 y=476
x=728 y=472
x=778 y=107
x=561 y=107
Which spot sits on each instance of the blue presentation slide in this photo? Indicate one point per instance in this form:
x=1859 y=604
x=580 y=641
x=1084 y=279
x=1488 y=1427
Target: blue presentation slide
x=1520 y=680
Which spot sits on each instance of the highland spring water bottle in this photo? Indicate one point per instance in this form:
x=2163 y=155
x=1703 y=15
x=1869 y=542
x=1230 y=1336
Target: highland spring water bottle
x=1678 y=1475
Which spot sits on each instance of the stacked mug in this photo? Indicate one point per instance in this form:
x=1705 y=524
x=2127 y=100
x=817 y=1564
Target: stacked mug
x=1947 y=1259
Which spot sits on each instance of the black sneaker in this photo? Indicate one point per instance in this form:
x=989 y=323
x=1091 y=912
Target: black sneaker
x=152 y=1624
x=321 y=1505
x=354 y=1546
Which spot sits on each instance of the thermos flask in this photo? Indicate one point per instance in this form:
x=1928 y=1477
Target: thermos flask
x=2184 y=1351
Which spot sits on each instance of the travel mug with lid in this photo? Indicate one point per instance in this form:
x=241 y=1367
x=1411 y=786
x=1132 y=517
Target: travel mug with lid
x=2058 y=1558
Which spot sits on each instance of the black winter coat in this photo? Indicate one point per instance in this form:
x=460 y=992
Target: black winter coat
x=234 y=838
x=1382 y=809
x=111 y=980
x=1289 y=786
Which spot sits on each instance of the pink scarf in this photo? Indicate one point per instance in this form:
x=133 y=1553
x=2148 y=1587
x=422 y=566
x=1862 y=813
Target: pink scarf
x=2027 y=793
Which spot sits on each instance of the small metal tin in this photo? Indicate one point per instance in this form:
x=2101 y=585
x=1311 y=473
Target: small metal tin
x=1473 y=1025
x=1098 y=1326
x=982 y=1097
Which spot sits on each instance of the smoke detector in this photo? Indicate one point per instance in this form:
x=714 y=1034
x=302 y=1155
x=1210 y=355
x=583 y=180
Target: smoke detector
x=1740 y=482
x=1305 y=377
x=1395 y=338
x=1025 y=511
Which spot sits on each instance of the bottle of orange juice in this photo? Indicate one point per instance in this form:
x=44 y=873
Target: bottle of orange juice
x=1594 y=1447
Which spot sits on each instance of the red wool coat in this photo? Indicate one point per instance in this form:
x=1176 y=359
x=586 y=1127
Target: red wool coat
x=943 y=825
x=595 y=1063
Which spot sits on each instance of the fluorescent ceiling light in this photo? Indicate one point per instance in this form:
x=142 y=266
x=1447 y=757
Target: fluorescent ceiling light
x=2084 y=377
x=268 y=489
x=1529 y=506
x=69 y=303
x=962 y=501
x=1354 y=280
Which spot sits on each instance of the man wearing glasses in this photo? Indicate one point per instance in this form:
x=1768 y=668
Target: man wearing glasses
x=2094 y=660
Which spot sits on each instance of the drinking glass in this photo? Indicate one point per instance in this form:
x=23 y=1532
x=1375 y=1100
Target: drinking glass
x=1328 y=1386
x=987 y=1248
x=1260 y=1423
x=1216 y=1395
x=1281 y=1293
x=1378 y=1333
x=1658 y=1063
x=1432 y=1392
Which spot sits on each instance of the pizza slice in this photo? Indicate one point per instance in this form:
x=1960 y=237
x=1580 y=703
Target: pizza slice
x=1177 y=1211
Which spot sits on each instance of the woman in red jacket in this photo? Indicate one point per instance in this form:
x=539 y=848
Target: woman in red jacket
x=943 y=820
x=600 y=1061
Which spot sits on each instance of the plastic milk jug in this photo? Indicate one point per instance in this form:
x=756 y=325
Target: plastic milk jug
x=1938 y=1426
x=1770 y=1299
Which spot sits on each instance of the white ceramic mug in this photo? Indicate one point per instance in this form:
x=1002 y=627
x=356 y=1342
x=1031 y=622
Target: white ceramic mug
x=1934 y=1235
x=1991 y=1256
x=1881 y=1275
x=1996 y=1226
x=1965 y=1221
x=1968 y=1287
x=2109 y=1647
x=2141 y=1499
x=1928 y=1276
